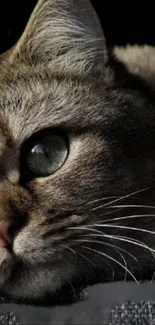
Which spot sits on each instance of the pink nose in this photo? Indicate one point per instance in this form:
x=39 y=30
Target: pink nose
x=5 y=232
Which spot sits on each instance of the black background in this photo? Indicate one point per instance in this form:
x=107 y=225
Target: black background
x=123 y=21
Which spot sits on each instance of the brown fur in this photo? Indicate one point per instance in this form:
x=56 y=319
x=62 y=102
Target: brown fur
x=59 y=77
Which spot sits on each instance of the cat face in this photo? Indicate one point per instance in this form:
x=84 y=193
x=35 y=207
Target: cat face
x=77 y=164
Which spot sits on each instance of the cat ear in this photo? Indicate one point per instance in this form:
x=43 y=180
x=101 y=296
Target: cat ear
x=65 y=33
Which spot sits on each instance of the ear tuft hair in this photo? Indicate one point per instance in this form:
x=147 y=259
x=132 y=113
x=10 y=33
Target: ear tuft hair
x=64 y=33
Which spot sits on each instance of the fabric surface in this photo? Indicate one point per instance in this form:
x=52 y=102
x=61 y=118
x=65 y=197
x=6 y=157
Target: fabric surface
x=133 y=314
x=107 y=304
x=9 y=319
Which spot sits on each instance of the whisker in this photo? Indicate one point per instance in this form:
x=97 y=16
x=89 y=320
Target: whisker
x=133 y=242
x=85 y=228
x=125 y=227
x=114 y=260
x=72 y=250
x=121 y=249
x=112 y=246
x=111 y=212
x=129 y=217
x=102 y=199
x=77 y=253
x=152 y=280
x=87 y=259
x=112 y=269
x=119 y=199
x=133 y=206
x=129 y=239
x=137 y=243
x=98 y=233
x=73 y=290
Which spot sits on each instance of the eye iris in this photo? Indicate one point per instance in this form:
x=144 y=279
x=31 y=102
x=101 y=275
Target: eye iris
x=48 y=155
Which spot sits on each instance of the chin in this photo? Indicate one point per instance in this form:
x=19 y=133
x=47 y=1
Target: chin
x=36 y=284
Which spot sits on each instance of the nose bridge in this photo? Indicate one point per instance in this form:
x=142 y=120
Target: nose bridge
x=5 y=232
x=10 y=161
x=13 y=211
x=13 y=200
x=5 y=198
x=9 y=166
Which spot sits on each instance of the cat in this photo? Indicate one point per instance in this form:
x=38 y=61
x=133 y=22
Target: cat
x=77 y=158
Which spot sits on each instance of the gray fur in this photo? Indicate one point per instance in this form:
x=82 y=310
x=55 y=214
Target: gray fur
x=59 y=76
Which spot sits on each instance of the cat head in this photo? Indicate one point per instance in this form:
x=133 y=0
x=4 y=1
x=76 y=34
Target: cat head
x=76 y=153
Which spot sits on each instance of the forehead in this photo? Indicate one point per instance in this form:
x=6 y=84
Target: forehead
x=31 y=100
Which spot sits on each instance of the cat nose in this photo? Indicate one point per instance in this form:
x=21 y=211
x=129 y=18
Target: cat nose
x=6 y=232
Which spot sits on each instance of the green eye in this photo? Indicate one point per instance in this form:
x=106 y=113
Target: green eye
x=46 y=153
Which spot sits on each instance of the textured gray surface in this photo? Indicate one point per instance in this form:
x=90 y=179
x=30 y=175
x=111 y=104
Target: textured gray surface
x=9 y=319
x=107 y=304
x=131 y=313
